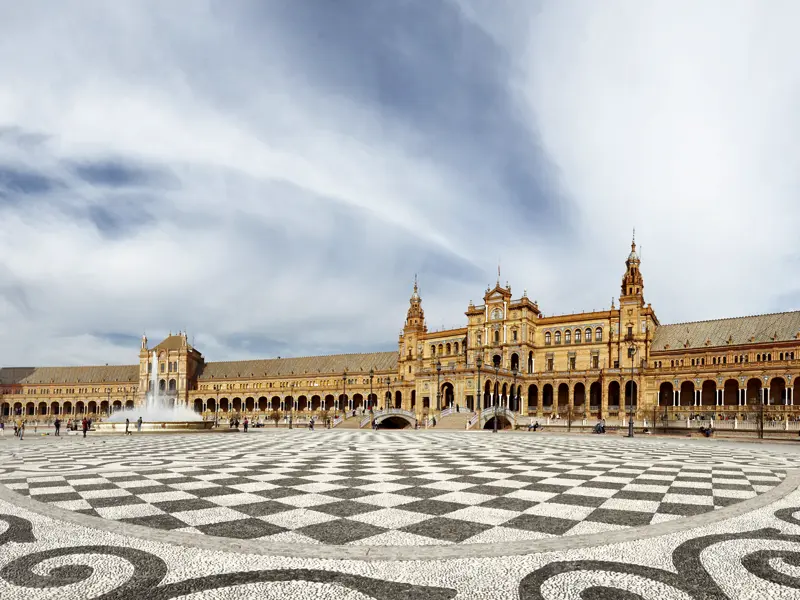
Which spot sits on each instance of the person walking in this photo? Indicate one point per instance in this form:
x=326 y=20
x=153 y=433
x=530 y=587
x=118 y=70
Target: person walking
x=246 y=424
x=139 y=425
x=127 y=426
x=57 y=425
x=21 y=428
x=85 y=426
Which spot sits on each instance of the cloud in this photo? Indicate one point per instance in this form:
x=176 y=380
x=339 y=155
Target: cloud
x=270 y=176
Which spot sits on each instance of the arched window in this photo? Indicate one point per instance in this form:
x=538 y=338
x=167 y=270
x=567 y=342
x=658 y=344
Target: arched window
x=441 y=349
x=497 y=336
x=173 y=386
x=449 y=349
x=433 y=350
x=577 y=336
x=598 y=334
x=456 y=348
x=588 y=337
x=758 y=358
x=547 y=338
x=558 y=337
x=567 y=337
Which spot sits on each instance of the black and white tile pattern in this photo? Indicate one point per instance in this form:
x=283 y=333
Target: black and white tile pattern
x=387 y=488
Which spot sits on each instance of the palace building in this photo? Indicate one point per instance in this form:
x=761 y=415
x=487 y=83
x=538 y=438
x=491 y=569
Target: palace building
x=508 y=354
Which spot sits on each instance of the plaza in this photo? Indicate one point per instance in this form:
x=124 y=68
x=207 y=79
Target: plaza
x=278 y=513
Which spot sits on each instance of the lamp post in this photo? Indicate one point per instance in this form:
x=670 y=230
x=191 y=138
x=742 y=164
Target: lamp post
x=216 y=414
x=291 y=406
x=344 y=390
x=369 y=402
x=438 y=389
x=494 y=400
x=479 y=395
x=631 y=353
x=388 y=392
x=514 y=391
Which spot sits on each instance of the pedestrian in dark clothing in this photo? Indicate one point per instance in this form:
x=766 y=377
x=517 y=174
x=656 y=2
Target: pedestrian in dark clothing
x=58 y=427
x=85 y=426
x=127 y=427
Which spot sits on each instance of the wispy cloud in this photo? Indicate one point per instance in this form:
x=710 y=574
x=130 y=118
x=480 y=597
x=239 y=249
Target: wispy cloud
x=270 y=175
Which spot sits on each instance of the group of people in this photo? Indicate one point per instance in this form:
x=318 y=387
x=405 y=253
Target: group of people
x=128 y=425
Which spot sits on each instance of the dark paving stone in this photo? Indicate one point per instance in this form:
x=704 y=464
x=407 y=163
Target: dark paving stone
x=449 y=530
x=745 y=485
x=632 y=495
x=94 y=486
x=157 y=522
x=114 y=501
x=578 y=500
x=38 y=485
x=551 y=525
x=341 y=531
x=88 y=511
x=346 y=508
x=421 y=492
x=258 y=509
x=489 y=490
x=432 y=507
x=506 y=503
x=122 y=477
x=232 y=481
x=419 y=481
x=350 y=493
x=276 y=493
x=173 y=506
x=546 y=487
x=152 y=489
x=212 y=492
x=245 y=529
x=604 y=485
x=630 y=518
x=691 y=491
x=721 y=501
x=580 y=476
x=57 y=497
x=685 y=510
x=346 y=482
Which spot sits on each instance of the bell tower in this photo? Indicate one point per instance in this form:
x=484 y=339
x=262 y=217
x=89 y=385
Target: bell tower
x=414 y=330
x=632 y=282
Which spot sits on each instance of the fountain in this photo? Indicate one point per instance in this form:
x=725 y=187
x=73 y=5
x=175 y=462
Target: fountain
x=157 y=414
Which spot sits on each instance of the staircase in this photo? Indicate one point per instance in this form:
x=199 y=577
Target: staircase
x=351 y=422
x=454 y=420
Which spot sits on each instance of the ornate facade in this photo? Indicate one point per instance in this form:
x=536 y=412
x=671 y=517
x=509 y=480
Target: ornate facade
x=598 y=364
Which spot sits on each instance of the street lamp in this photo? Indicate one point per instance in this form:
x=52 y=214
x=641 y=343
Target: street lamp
x=631 y=354
x=514 y=395
x=438 y=377
x=344 y=389
x=494 y=400
x=369 y=402
x=291 y=407
x=479 y=395
x=388 y=393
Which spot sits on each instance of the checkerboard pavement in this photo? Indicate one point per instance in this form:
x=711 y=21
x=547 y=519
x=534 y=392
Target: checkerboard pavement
x=471 y=493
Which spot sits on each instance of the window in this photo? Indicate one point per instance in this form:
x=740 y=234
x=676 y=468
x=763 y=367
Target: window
x=598 y=335
x=567 y=337
x=595 y=362
x=433 y=348
x=480 y=339
x=630 y=332
x=724 y=360
x=692 y=362
x=547 y=338
x=588 y=337
x=558 y=337
x=449 y=349
x=497 y=336
x=616 y=364
x=456 y=348
x=549 y=364
x=514 y=335
x=572 y=363
x=577 y=336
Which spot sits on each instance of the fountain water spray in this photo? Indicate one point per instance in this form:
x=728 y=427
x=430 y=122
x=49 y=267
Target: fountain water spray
x=158 y=406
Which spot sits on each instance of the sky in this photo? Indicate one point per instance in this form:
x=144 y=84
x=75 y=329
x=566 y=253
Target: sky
x=270 y=175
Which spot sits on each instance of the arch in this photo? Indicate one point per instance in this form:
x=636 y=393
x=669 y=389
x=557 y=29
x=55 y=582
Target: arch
x=753 y=391
x=530 y=362
x=224 y=405
x=547 y=338
x=563 y=397
x=237 y=405
x=613 y=395
x=631 y=394
x=316 y=402
x=587 y=335
x=413 y=399
x=116 y=405
x=329 y=401
x=211 y=404
x=496 y=336
x=487 y=393
x=395 y=421
x=730 y=393
x=598 y=334
x=777 y=391
x=5 y=409
x=129 y=405
x=55 y=409
x=398 y=399
x=515 y=362
x=666 y=394
x=30 y=408
x=67 y=407
x=502 y=422
x=533 y=397
x=43 y=407
x=302 y=403
x=455 y=348
x=687 y=393
x=448 y=348
x=595 y=396
x=249 y=404
x=198 y=405
x=275 y=403
x=557 y=337
x=441 y=349
x=547 y=396
x=358 y=401
x=104 y=407
x=162 y=385
x=289 y=403
x=577 y=336
x=80 y=407
x=579 y=397
x=173 y=386
x=708 y=393
x=568 y=336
